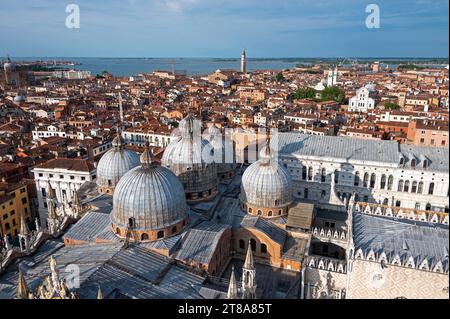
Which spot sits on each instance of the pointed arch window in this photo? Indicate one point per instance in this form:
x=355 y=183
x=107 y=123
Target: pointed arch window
x=414 y=187
x=356 y=182
x=253 y=244
x=420 y=188
x=406 y=188
x=310 y=174
x=431 y=189
x=373 y=179
x=366 y=180
x=400 y=186
x=241 y=244
x=323 y=175
x=383 y=181
x=390 y=182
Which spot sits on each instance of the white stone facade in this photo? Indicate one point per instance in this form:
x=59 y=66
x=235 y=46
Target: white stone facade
x=362 y=102
x=63 y=181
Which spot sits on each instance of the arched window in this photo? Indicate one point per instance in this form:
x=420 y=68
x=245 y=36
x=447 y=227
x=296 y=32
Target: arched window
x=259 y=212
x=117 y=230
x=366 y=179
x=270 y=213
x=420 y=188
x=356 y=182
x=174 y=229
x=336 y=176
x=263 y=249
x=253 y=244
x=144 y=237
x=386 y=202
x=323 y=175
x=400 y=186
x=431 y=189
x=373 y=179
x=304 y=173
x=160 y=234
x=383 y=181
x=241 y=244
x=310 y=174
x=7 y=226
x=406 y=188
x=413 y=163
x=428 y=207
x=249 y=210
x=390 y=182
x=414 y=187
x=398 y=203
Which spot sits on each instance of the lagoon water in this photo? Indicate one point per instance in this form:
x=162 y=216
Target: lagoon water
x=191 y=66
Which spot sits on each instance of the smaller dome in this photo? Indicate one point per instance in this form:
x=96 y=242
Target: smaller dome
x=114 y=164
x=19 y=99
x=266 y=183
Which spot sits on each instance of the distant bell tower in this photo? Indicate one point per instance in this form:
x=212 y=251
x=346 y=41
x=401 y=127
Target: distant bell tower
x=243 y=62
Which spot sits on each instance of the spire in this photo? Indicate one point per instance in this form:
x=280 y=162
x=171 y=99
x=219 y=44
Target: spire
x=232 y=288
x=22 y=287
x=51 y=207
x=7 y=243
x=50 y=191
x=249 y=276
x=147 y=157
x=120 y=108
x=249 y=258
x=118 y=140
x=99 y=293
x=24 y=230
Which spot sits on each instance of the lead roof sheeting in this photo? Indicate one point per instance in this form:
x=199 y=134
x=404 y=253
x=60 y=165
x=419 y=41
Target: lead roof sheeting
x=200 y=242
x=275 y=233
x=89 y=227
x=141 y=262
x=379 y=233
x=349 y=149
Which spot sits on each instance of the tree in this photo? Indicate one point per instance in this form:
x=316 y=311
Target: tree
x=305 y=93
x=391 y=106
x=333 y=93
x=280 y=77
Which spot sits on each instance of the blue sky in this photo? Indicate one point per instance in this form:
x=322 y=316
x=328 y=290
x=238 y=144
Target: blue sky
x=220 y=28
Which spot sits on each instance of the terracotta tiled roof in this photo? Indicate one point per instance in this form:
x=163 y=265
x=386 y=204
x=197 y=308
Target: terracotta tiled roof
x=69 y=164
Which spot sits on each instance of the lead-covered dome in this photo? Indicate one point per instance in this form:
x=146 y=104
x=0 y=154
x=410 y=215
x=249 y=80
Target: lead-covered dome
x=191 y=158
x=150 y=201
x=114 y=164
x=266 y=188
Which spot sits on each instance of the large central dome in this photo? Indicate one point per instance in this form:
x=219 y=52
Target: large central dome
x=114 y=164
x=191 y=158
x=266 y=187
x=149 y=200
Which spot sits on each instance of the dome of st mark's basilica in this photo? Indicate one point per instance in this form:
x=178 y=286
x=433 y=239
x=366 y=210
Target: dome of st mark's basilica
x=150 y=201
x=266 y=188
x=114 y=164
